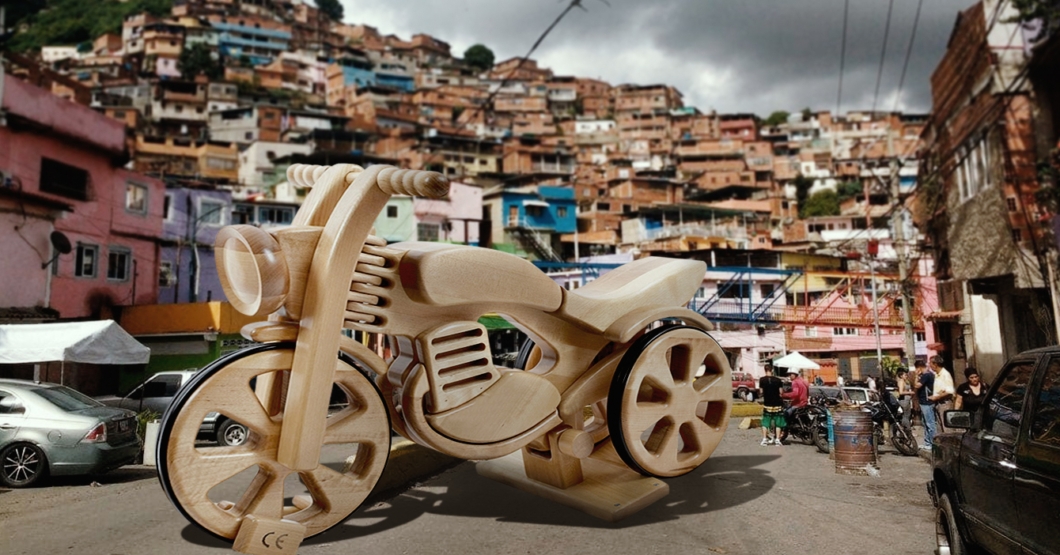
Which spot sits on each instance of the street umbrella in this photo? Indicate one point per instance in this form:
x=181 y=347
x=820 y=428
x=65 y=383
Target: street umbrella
x=795 y=361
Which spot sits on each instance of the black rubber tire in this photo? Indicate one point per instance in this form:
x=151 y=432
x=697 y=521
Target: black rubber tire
x=904 y=443
x=820 y=437
x=186 y=392
x=948 y=540
x=229 y=427
x=13 y=461
x=524 y=354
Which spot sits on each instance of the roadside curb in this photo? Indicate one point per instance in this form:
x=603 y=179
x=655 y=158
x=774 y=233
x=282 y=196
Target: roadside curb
x=409 y=464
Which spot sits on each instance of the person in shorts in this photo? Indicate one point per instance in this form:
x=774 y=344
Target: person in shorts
x=773 y=421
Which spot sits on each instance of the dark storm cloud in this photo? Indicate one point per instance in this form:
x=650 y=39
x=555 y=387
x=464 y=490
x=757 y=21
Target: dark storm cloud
x=729 y=55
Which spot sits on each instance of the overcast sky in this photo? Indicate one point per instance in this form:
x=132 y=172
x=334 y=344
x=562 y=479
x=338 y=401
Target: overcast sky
x=727 y=55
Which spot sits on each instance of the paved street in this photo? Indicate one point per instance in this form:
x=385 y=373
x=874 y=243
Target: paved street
x=745 y=499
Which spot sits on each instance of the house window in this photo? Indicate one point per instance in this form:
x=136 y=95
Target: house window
x=391 y=211
x=165 y=274
x=167 y=208
x=85 y=261
x=811 y=331
x=135 y=198
x=427 y=232
x=275 y=215
x=767 y=289
x=211 y=212
x=919 y=336
x=561 y=212
x=118 y=264
x=844 y=331
x=1011 y=204
x=1017 y=235
x=603 y=206
x=62 y=179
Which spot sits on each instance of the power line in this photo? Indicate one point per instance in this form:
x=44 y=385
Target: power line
x=489 y=99
x=842 y=57
x=883 y=53
x=908 y=55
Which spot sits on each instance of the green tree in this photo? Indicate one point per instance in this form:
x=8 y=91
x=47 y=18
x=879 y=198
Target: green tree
x=479 y=56
x=821 y=203
x=331 y=8
x=776 y=118
x=802 y=188
x=198 y=59
x=850 y=189
x=77 y=21
x=807 y=113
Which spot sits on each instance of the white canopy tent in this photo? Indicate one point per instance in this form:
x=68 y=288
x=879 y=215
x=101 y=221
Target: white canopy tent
x=98 y=342
x=795 y=361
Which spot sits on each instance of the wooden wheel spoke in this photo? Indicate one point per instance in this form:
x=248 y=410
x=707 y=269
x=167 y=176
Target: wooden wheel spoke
x=213 y=469
x=243 y=406
x=334 y=491
x=353 y=425
x=663 y=444
x=713 y=388
x=653 y=363
x=645 y=415
x=264 y=497
x=693 y=355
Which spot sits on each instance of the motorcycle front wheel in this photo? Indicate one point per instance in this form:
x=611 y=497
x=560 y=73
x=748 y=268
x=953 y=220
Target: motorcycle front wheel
x=820 y=437
x=216 y=486
x=904 y=441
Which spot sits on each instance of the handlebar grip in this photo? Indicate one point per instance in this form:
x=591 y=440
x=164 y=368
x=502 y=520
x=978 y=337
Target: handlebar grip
x=304 y=175
x=417 y=183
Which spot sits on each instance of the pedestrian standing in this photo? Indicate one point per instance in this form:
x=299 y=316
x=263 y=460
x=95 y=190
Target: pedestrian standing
x=925 y=384
x=971 y=393
x=905 y=397
x=944 y=391
x=839 y=381
x=871 y=383
x=769 y=387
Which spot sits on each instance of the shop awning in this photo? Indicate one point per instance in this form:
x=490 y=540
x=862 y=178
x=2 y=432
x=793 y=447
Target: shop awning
x=98 y=342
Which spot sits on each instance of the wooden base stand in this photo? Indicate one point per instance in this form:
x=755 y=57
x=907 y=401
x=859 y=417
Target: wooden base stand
x=608 y=492
x=260 y=536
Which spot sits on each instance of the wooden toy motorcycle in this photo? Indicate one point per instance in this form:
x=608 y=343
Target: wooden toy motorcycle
x=621 y=376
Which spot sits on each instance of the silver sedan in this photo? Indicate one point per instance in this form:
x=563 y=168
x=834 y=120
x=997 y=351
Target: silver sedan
x=49 y=429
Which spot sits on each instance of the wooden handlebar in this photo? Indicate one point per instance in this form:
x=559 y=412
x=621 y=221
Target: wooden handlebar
x=390 y=180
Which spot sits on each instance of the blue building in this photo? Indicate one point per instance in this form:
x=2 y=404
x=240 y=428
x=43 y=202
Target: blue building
x=530 y=220
x=261 y=46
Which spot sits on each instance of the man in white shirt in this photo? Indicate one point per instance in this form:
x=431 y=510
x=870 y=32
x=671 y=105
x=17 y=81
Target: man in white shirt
x=943 y=390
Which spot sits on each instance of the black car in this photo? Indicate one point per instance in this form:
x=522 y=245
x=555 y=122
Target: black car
x=996 y=481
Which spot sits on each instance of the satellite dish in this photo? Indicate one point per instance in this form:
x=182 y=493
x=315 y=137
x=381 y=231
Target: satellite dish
x=61 y=244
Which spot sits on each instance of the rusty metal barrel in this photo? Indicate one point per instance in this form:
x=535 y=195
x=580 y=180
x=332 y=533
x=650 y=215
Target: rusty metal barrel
x=854 y=451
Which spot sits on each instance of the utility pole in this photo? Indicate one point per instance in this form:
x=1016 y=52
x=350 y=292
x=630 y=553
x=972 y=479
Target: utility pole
x=900 y=248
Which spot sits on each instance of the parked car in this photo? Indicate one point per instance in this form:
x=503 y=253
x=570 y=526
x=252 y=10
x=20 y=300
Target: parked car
x=996 y=481
x=860 y=395
x=157 y=392
x=744 y=386
x=49 y=429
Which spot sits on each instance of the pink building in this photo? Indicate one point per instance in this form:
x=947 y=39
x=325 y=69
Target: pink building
x=61 y=171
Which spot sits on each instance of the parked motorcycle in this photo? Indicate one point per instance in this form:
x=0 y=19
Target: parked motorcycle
x=888 y=410
x=809 y=424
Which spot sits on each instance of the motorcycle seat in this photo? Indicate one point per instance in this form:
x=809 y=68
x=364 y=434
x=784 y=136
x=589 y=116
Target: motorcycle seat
x=441 y=274
x=651 y=282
